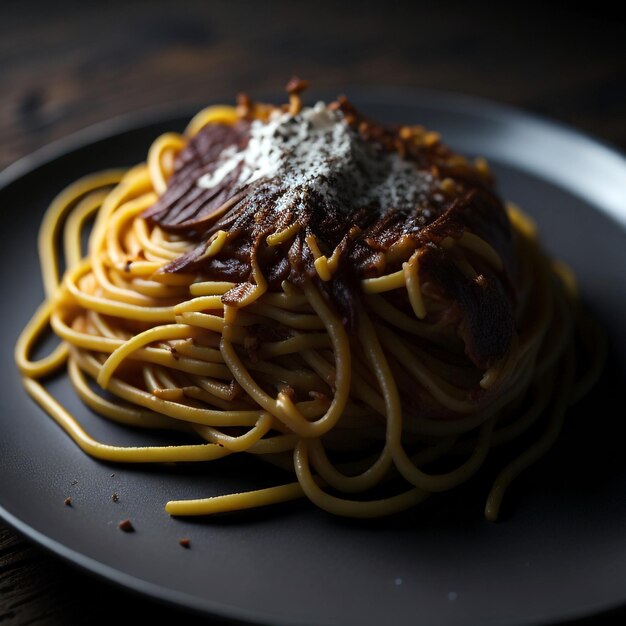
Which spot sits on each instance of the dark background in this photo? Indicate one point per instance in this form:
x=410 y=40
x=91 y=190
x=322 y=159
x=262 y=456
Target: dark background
x=66 y=65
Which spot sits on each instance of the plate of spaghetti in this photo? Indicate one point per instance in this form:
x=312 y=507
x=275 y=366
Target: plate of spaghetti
x=324 y=344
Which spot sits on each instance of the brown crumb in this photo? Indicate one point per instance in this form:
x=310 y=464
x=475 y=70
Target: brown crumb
x=68 y=501
x=185 y=543
x=126 y=526
x=296 y=85
x=115 y=497
x=245 y=107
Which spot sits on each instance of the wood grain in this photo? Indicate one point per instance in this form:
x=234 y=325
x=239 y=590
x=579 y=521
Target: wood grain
x=63 y=71
x=64 y=66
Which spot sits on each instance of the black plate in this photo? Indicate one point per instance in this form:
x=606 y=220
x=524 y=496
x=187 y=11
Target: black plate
x=559 y=552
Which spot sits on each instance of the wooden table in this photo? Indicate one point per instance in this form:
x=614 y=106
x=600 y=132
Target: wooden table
x=62 y=69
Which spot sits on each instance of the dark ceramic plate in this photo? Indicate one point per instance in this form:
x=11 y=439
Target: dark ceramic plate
x=559 y=551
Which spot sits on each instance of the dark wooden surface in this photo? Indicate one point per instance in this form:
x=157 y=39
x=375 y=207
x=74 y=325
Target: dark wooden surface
x=64 y=66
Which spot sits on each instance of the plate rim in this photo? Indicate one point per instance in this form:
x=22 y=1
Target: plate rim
x=113 y=127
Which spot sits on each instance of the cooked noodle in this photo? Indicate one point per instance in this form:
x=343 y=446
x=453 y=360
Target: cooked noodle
x=326 y=401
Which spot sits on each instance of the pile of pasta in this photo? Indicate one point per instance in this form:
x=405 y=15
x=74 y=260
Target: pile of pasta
x=331 y=405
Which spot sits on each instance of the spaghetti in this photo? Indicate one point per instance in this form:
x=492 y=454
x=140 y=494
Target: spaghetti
x=348 y=301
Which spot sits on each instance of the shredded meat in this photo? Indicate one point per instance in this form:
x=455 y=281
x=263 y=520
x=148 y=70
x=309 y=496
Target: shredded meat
x=454 y=197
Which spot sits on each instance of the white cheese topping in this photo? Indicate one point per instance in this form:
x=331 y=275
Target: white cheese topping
x=316 y=151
